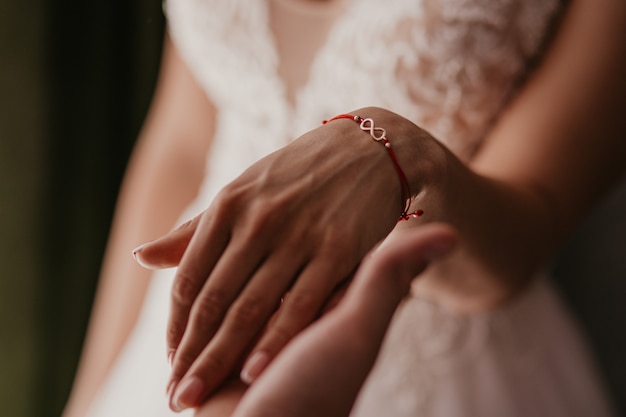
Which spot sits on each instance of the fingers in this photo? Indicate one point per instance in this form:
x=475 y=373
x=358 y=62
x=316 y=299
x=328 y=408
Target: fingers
x=300 y=307
x=204 y=250
x=224 y=401
x=385 y=276
x=322 y=370
x=222 y=328
x=167 y=251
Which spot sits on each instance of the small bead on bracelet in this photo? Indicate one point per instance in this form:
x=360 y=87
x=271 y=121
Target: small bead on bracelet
x=380 y=135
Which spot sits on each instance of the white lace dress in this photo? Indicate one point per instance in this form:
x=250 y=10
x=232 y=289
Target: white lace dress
x=448 y=65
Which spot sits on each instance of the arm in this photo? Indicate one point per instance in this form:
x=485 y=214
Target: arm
x=164 y=171
x=555 y=150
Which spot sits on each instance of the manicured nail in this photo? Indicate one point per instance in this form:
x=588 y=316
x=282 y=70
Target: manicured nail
x=187 y=394
x=137 y=256
x=254 y=366
x=170 y=388
x=170 y=357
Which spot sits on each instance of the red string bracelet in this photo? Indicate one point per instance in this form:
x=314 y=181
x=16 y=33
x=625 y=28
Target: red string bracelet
x=380 y=135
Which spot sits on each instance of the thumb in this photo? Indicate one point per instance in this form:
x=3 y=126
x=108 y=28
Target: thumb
x=385 y=276
x=166 y=251
x=321 y=371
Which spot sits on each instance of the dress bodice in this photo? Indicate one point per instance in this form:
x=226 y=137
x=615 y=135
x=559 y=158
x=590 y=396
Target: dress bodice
x=448 y=65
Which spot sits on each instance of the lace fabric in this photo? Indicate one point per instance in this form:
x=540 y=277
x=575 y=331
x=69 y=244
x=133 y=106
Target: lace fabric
x=526 y=359
x=448 y=65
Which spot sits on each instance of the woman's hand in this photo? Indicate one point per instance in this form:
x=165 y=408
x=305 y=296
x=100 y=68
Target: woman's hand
x=298 y=222
x=321 y=371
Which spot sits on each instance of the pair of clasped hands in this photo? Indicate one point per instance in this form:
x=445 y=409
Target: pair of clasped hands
x=275 y=251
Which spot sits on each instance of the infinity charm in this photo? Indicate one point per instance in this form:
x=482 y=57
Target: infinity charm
x=380 y=135
x=368 y=125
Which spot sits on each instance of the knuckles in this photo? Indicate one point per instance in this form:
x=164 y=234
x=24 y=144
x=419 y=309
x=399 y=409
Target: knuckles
x=280 y=334
x=184 y=360
x=227 y=202
x=184 y=289
x=214 y=365
x=248 y=314
x=302 y=307
x=174 y=333
x=262 y=221
x=303 y=304
x=209 y=309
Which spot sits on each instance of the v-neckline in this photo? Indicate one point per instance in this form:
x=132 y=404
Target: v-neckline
x=331 y=11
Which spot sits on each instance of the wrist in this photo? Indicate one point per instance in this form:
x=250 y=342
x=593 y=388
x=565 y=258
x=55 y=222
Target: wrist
x=413 y=156
x=422 y=159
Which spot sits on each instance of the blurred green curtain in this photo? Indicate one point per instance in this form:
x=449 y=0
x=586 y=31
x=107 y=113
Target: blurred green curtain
x=76 y=80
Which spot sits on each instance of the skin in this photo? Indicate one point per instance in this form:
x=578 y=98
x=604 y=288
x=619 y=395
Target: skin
x=333 y=356
x=553 y=153
x=321 y=371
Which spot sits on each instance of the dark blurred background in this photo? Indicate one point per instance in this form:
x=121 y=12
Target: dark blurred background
x=75 y=81
x=76 y=78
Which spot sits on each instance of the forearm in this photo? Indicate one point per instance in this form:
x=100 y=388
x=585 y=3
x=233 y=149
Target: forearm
x=506 y=223
x=553 y=153
x=505 y=236
x=560 y=141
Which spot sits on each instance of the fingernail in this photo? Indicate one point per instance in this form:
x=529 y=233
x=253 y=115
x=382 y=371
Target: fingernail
x=170 y=388
x=170 y=357
x=137 y=256
x=138 y=249
x=254 y=366
x=187 y=394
